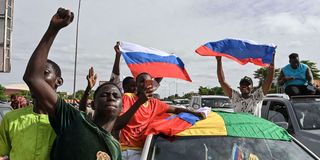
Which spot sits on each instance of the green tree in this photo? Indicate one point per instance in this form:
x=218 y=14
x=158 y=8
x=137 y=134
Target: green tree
x=189 y=95
x=3 y=96
x=312 y=65
x=205 y=91
x=261 y=75
x=63 y=95
x=217 y=91
x=79 y=94
x=210 y=91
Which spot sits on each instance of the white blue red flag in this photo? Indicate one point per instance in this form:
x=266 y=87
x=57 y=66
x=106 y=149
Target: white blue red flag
x=152 y=61
x=241 y=51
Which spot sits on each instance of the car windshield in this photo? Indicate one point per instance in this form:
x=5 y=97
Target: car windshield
x=216 y=102
x=308 y=114
x=216 y=148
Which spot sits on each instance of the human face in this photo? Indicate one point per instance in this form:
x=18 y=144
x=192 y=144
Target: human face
x=245 y=88
x=130 y=87
x=50 y=76
x=294 y=62
x=141 y=82
x=108 y=101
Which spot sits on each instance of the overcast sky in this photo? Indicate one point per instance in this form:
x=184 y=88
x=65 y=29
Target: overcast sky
x=174 y=26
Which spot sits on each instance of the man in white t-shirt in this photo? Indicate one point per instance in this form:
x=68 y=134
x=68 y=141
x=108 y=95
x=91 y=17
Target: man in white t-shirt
x=246 y=100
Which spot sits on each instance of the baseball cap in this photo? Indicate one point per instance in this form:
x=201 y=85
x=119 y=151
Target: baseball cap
x=246 y=79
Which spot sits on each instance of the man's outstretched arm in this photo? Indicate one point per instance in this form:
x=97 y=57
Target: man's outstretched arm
x=268 y=82
x=116 y=64
x=36 y=68
x=225 y=86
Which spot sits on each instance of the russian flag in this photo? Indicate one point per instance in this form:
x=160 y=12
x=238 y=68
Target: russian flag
x=241 y=51
x=152 y=61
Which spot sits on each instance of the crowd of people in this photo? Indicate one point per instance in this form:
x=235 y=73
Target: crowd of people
x=113 y=126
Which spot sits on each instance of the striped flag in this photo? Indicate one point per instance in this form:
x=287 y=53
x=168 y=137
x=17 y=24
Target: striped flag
x=236 y=125
x=152 y=61
x=241 y=51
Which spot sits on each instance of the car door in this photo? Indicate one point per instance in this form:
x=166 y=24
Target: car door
x=276 y=111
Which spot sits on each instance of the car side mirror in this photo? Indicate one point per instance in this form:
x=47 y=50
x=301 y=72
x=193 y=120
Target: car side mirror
x=284 y=125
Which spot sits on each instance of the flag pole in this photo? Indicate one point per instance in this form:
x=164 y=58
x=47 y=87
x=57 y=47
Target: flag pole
x=76 y=53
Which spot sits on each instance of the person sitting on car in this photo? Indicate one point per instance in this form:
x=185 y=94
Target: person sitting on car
x=297 y=78
x=248 y=100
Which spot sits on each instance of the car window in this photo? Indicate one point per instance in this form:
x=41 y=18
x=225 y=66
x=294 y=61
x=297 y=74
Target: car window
x=217 y=148
x=278 y=112
x=216 y=102
x=308 y=114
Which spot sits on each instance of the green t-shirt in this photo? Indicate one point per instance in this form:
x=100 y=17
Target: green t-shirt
x=79 y=138
x=26 y=135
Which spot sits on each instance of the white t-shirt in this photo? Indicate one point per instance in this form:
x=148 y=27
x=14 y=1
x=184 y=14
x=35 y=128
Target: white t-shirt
x=251 y=105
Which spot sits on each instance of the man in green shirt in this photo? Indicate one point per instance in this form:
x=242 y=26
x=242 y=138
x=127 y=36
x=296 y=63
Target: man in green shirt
x=26 y=134
x=77 y=136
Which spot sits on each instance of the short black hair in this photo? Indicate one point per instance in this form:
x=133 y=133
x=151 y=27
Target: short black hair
x=293 y=56
x=246 y=79
x=126 y=80
x=142 y=74
x=55 y=67
x=104 y=84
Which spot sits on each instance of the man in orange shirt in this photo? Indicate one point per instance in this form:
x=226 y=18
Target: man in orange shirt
x=138 y=111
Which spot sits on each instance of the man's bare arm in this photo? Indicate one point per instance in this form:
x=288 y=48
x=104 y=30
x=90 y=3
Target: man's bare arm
x=225 y=86
x=268 y=82
x=309 y=76
x=34 y=74
x=124 y=119
x=116 y=64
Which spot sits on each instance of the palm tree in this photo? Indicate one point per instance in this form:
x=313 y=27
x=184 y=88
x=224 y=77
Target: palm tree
x=261 y=74
x=312 y=65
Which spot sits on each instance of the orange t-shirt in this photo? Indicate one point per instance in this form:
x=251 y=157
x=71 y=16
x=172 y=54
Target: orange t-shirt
x=131 y=136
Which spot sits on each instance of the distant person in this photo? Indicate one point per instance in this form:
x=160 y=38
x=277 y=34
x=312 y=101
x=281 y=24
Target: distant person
x=297 y=78
x=77 y=137
x=139 y=110
x=247 y=100
x=128 y=84
x=18 y=101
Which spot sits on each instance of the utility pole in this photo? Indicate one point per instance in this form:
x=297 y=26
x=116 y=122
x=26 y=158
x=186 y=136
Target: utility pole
x=76 y=53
